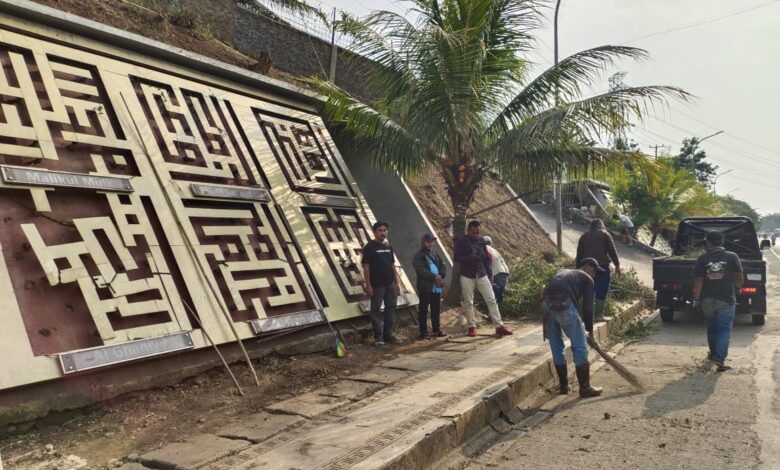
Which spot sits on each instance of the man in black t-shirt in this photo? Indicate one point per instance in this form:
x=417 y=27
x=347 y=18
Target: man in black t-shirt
x=381 y=284
x=716 y=275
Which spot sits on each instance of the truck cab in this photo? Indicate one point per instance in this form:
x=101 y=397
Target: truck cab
x=673 y=275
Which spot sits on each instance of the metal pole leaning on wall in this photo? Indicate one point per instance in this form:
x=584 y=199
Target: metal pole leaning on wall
x=194 y=255
x=205 y=333
x=334 y=51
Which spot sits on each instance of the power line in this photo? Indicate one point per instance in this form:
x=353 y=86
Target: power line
x=693 y=25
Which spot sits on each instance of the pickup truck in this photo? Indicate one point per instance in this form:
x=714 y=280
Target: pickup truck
x=673 y=275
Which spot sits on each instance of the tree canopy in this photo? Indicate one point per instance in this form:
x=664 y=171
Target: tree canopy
x=695 y=160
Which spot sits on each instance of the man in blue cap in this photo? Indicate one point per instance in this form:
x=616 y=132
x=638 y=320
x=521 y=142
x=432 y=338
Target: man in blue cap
x=560 y=298
x=431 y=271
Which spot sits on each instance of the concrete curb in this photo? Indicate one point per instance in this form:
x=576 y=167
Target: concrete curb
x=496 y=404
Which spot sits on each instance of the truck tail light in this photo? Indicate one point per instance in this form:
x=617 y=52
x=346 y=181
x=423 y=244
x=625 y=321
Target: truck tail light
x=749 y=290
x=671 y=286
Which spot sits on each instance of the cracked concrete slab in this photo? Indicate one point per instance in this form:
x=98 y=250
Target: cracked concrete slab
x=259 y=426
x=308 y=405
x=380 y=375
x=350 y=389
x=193 y=453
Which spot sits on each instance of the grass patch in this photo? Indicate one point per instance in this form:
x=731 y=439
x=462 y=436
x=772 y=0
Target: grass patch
x=528 y=277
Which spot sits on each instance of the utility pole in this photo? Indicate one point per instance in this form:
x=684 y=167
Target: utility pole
x=656 y=147
x=557 y=186
x=333 y=49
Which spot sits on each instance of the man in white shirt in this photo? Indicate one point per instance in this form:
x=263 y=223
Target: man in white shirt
x=628 y=228
x=500 y=270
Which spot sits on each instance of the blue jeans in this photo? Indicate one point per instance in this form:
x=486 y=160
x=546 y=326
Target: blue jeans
x=719 y=317
x=499 y=286
x=601 y=284
x=568 y=321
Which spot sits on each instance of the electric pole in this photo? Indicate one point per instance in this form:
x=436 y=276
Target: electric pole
x=656 y=147
x=557 y=185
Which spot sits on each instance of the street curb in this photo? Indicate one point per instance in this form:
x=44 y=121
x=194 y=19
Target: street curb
x=496 y=403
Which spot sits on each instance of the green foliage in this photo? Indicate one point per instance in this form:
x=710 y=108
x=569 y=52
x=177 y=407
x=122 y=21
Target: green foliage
x=528 y=278
x=733 y=206
x=457 y=93
x=694 y=160
x=661 y=203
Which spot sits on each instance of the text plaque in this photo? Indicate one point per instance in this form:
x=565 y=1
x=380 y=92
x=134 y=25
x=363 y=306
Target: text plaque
x=223 y=192
x=283 y=322
x=331 y=201
x=101 y=356
x=41 y=177
x=401 y=301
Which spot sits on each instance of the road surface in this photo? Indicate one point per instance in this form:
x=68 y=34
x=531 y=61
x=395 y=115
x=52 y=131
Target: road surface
x=690 y=418
x=629 y=257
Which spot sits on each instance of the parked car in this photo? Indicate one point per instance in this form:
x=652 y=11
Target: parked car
x=673 y=275
x=765 y=241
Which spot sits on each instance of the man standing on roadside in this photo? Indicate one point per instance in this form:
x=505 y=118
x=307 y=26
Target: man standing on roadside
x=381 y=284
x=628 y=228
x=431 y=271
x=560 y=299
x=716 y=275
x=597 y=243
x=499 y=269
x=475 y=273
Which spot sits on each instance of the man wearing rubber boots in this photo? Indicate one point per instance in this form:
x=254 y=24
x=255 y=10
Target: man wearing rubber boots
x=560 y=299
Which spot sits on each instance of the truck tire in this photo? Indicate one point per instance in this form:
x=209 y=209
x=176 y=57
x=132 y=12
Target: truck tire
x=759 y=319
x=667 y=315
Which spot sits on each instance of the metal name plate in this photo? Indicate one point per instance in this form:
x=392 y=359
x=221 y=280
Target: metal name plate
x=283 y=322
x=101 y=356
x=333 y=201
x=401 y=301
x=39 y=177
x=223 y=192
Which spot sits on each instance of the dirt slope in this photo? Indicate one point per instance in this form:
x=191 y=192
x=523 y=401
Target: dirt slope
x=514 y=231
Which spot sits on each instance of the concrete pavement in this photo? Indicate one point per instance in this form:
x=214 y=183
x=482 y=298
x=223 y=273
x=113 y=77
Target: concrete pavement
x=405 y=413
x=692 y=417
x=630 y=257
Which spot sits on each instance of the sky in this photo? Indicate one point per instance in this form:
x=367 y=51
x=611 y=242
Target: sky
x=725 y=52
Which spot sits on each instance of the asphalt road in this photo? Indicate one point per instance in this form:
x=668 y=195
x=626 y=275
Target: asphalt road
x=692 y=417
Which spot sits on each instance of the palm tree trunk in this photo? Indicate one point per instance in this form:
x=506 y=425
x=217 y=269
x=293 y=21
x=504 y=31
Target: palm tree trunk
x=460 y=207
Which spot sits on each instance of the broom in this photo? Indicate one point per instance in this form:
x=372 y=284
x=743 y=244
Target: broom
x=620 y=368
x=341 y=346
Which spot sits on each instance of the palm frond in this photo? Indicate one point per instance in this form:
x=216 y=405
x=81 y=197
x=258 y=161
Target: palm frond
x=563 y=82
x=391 y=146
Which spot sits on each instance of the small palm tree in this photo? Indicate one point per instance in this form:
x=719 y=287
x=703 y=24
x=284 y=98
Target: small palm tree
x=456 y=94
x=674 y=195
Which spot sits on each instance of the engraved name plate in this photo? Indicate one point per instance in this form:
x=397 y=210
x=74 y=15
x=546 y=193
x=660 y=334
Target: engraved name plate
x=283 y=322
x=40 y=177
x=331 y=201
x=401 y=301
x=101 y=356
x=223 y=192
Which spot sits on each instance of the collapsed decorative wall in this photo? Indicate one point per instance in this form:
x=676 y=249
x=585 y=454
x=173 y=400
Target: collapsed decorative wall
x=145 y=206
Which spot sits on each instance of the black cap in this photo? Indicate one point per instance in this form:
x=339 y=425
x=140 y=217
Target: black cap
x=591 y=262
x=715 y=237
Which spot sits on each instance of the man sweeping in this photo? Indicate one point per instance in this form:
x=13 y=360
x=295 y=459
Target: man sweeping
x=560 y=299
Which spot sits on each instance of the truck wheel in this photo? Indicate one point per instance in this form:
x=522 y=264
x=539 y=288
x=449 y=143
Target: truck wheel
x=759 y=319
x=667 y=315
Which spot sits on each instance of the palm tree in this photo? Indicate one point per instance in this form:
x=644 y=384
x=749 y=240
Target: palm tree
x=456 y=94
x=674 y=195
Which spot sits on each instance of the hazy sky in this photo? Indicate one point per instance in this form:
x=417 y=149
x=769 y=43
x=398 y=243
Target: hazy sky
x=731 y=64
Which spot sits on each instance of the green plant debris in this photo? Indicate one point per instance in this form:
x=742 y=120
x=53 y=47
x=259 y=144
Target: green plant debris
x=635 y=331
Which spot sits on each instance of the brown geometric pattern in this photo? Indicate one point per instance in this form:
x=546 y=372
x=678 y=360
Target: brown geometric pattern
x=258 y=271
x=210 y=216
x=341 y=235
x=302 y=153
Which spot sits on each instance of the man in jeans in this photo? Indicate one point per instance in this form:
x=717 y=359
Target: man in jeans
x=597 y=243
x=475 y=273
x=499 y=269
x=431 y=271
x=715 y=277
x=560 y=298
x=381 y=283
